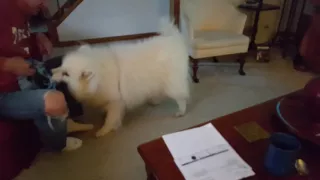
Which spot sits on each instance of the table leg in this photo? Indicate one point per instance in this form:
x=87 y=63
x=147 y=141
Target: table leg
x=253 y=45
x=150 y=175
x=215 y=59
x=242 y=61
x=195 y=68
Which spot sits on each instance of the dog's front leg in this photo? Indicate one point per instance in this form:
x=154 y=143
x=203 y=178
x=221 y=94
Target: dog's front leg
x=115 y=111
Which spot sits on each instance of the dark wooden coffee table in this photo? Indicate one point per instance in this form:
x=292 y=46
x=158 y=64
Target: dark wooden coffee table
x=160 y=165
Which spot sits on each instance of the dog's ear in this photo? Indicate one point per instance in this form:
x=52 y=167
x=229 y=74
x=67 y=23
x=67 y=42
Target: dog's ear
x=89 y=78
x=86 y=75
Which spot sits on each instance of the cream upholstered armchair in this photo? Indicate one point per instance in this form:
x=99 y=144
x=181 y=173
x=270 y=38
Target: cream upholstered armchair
x=213 y=28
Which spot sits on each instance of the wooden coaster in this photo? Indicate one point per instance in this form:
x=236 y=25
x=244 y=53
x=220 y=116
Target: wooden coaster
x=252 y=131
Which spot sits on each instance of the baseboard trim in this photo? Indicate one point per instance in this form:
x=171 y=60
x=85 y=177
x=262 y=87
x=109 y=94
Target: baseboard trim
x=105 y=39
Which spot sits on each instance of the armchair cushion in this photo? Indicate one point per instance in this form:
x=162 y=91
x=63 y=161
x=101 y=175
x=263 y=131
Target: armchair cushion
x=218 y=39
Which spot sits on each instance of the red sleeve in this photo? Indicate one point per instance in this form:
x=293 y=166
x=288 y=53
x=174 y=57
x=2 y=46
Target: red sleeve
x=3 y=37
x=2 y=61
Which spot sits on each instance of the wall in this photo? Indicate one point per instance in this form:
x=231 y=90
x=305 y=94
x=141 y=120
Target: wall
x=107 y=18
x=123 y=17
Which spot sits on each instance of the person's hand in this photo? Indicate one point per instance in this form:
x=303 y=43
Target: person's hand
x=18 y=66
x=44 y=44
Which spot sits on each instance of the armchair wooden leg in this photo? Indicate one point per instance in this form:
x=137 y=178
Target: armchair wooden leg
x=195 y=68
x=242 y=61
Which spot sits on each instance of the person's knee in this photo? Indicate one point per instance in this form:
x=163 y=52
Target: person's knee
x=55 y=103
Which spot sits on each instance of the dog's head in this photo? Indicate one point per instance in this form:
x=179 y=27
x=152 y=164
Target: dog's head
x=78 y=72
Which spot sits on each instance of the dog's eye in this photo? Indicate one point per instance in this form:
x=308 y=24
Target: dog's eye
x=65 y=74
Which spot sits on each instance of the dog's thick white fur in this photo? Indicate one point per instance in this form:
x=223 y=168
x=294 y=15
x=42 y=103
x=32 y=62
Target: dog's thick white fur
x=125 y=75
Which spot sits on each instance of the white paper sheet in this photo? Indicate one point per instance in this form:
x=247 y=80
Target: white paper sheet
x=187 y=142
x=203 y=154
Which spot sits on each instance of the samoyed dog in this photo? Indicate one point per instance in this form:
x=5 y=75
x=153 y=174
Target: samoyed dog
x=125 y=75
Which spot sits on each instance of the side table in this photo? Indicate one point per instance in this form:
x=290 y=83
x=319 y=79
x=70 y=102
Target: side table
x=257 y=9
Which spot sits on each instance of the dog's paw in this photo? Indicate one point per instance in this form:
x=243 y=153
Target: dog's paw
x=105 y=130
x=102 y=132
x=77 y=127
x=180 y=114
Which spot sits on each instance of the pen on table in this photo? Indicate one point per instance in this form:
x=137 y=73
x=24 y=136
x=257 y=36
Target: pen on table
x=210 y=155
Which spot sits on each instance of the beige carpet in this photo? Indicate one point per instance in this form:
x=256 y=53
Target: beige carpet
x=220 y=91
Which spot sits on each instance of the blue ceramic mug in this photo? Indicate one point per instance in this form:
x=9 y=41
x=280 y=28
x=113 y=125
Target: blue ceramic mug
x=282 y=154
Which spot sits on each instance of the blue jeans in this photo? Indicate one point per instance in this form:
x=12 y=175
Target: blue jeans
x=29 y=105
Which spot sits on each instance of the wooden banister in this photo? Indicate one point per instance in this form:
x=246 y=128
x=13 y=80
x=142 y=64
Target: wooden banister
x=64 y=11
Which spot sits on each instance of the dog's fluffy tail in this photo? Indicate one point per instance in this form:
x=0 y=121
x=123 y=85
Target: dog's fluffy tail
x=167 y=27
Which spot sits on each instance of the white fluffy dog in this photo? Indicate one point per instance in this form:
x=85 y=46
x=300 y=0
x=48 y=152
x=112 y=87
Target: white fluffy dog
x=125 y=75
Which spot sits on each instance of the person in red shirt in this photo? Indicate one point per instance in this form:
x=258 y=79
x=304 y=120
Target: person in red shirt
x=308 y=58
x=311 y=41
x=48 y=109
